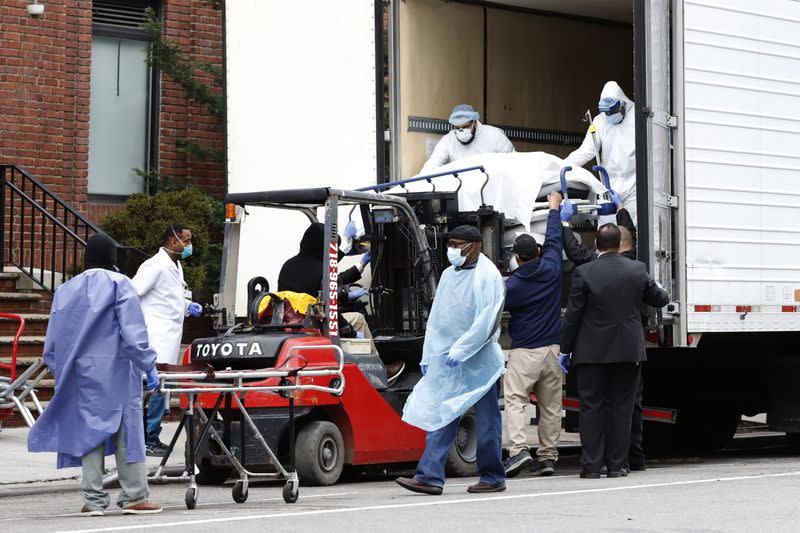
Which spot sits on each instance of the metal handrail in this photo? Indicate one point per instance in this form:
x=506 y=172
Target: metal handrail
x=40 y=234
x=429 y=178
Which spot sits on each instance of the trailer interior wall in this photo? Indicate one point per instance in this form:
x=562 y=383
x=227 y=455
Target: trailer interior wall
x=741 y=116
x=542 y=71
x=301 y=112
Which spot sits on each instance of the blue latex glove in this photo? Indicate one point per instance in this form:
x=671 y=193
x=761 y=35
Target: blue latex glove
x=452 y=363
x=194 y=309
x=563 y=362
x=567 y=210
x=423 y=369
x=614 y=197
x=359 y=334
x=356 y=294
x=366 y=258
x=350 y=230
x=152 y=379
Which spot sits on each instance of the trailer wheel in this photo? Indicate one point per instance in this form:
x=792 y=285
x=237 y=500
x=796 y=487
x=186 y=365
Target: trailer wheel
x=463 y=456
x=319 y=453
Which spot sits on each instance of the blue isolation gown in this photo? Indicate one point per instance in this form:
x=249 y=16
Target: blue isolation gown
x=465 y=324
x=97 y=348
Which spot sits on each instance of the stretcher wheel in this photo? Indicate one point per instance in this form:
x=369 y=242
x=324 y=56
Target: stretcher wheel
x=290 y=492
x=239 y=492
x=191 y=498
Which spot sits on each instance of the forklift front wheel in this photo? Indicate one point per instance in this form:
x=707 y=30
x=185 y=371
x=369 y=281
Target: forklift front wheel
x=463 y=456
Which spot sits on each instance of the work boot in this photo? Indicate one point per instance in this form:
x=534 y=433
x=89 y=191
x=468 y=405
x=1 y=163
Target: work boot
x=85 y=511
x=515 y=464
x=482 y=487
x=543 y=468
x=414 y=485
x=142 y=508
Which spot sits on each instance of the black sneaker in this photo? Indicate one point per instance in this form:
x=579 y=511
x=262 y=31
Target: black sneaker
x=543 y=468
x=157 y=450
x=515 y=464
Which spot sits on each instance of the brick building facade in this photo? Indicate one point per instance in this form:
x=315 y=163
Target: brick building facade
x=46 y=80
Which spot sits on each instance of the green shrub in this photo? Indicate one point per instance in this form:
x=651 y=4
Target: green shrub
x=143 y=221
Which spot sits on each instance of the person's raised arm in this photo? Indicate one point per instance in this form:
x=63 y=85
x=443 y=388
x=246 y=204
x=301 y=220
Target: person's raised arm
x=438 y=157
x=584 y=153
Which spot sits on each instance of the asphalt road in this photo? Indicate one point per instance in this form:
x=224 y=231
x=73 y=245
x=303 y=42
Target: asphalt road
x=754 y=486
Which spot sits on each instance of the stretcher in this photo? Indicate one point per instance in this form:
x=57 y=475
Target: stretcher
x=232 y=386
x=17 y=389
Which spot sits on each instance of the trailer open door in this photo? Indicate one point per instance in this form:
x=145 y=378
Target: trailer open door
x=654 y=122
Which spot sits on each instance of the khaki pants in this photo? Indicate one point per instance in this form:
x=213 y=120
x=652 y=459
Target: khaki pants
x=359 y=323
x=534 y=370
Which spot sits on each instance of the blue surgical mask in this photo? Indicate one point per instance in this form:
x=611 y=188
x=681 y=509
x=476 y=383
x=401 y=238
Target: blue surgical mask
x=455 y=257
x=616 y=118
x=187 y=251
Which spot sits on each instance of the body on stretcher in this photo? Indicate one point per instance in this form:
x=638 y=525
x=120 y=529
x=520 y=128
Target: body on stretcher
x=231 y=387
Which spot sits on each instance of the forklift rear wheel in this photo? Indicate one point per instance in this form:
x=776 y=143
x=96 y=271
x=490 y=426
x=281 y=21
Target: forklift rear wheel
x=239 y=492
x=319 y=453
x=290 y=493
x=462 y=457
x=191 y=498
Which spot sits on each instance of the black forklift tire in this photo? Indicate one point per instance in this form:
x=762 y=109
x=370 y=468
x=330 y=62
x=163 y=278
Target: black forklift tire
x=462 y=457
x=239 y=493
x=213 y=475
x=319 y=453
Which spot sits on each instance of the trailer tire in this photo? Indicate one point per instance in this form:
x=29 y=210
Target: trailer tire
x=462 y=459
x=319 y=453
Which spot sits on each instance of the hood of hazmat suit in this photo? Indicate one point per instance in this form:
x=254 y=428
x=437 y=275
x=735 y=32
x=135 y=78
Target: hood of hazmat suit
x=97 y=349
x=465 y=324
x=617 y=145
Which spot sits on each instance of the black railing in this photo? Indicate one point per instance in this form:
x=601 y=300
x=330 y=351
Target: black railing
x=41 y=234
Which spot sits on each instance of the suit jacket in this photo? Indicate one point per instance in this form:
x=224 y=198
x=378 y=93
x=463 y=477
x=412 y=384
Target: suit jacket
x=603 y=320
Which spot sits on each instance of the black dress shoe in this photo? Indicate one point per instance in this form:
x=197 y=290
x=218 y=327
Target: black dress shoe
x=481 y=487
x=637 y=467
x=418 y=486
x=618 y=473
x=590 y=475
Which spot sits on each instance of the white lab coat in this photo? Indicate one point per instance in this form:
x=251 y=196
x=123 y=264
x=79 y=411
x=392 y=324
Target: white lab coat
x=488 y=140
x=164 y=297
x=617 y=145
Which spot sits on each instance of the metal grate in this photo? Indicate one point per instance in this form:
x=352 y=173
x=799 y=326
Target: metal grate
x=121 y=15
x=530 y=135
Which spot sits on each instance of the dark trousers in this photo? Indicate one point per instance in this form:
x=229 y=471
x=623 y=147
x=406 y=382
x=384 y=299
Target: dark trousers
x=607 y=393
x=635 y=450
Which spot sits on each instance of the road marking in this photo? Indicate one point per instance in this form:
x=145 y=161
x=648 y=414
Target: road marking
x=428 y=503
x=118 y=512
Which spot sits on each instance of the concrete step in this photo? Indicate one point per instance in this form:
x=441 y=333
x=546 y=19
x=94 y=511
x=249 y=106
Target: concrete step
x=35 y=324
x=30 y=347
x=20 y=302
x=8 y=280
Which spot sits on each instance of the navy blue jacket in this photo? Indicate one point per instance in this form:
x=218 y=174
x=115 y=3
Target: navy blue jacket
x=533 y=294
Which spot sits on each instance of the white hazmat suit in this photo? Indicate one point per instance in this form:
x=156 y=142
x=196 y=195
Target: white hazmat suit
x=617 y=146
x=487 y=140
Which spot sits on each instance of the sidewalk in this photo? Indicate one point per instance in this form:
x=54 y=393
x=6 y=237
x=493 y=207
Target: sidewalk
x=38 y=473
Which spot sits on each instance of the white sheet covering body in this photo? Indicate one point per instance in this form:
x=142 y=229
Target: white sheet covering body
x=515 y=180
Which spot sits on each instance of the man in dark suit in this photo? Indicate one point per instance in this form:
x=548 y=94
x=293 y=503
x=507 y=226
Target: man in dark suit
x=603 y=332
x=579 y=255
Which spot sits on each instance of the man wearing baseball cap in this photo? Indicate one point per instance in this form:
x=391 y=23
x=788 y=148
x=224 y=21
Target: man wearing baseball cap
x=533 y=298
x=468 y=137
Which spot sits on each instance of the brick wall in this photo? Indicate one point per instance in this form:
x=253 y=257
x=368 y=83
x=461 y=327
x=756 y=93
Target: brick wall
x=44 y=95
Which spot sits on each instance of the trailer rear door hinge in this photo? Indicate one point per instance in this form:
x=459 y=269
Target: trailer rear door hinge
x=672 y=121
x=672 y=201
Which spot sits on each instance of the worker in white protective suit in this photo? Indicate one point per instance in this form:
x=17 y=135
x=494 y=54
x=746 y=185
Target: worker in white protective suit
x=461 y=365
x=616 y=142
x=468 y=137
x=165 y=300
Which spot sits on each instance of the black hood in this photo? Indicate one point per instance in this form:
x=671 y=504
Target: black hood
x=312 y=241
x=101 y=252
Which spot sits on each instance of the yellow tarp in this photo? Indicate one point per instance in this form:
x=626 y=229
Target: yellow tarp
x=298 y=300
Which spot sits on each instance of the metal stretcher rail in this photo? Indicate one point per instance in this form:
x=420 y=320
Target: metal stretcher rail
x=231 y=385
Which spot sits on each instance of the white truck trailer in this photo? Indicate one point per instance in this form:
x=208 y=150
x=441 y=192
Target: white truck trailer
x=718 y=168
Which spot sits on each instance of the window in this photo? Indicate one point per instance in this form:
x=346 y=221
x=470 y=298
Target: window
x=120 y=100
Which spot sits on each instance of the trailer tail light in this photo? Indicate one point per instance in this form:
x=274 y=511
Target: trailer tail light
x=788 y=309
x=230 y=212
x=744 y=308
x=702 y=308
x=651 y=336
x=689 y=340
